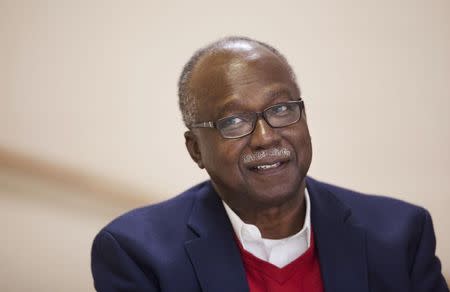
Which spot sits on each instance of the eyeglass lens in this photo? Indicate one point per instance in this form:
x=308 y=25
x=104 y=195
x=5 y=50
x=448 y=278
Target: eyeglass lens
x=279 y=115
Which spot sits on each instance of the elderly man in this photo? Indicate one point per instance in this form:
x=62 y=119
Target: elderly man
x=260 y=224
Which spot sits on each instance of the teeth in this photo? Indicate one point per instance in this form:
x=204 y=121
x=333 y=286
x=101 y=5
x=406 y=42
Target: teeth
x=268 y=166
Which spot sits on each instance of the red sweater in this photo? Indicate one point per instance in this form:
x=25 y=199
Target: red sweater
x=303 y=274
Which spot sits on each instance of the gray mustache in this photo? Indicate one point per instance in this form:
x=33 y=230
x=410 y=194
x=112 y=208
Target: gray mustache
x=274 y=152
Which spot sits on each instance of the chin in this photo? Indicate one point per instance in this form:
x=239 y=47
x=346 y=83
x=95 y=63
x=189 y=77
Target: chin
x=273 y=196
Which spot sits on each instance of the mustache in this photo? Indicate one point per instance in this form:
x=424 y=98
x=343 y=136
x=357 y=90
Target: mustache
x=259 y=155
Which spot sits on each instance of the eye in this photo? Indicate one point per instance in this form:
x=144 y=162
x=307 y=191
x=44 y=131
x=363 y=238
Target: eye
x=279 y=109
x=232 y=122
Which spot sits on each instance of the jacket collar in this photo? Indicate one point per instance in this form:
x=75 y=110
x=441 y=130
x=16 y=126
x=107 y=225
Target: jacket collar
x=340 y=243
x=214 y=253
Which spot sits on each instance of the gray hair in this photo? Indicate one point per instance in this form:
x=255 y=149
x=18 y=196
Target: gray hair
x=186 y=100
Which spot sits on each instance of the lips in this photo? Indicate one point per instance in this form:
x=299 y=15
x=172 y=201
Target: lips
x=267 y=166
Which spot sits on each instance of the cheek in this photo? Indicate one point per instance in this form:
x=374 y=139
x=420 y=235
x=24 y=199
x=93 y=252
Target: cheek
x=228 y=155
x=301 y=141
x=305 y=151
x=304 y=140
x=222 y=156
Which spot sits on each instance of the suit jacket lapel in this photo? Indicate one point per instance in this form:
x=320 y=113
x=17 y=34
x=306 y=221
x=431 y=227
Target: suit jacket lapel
x=214 y=254
x=340 y=244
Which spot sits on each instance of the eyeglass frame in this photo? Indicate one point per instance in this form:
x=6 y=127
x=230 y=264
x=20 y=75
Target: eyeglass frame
x=213 y=124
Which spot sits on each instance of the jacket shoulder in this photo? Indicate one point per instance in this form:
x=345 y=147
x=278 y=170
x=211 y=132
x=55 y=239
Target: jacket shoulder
x=382 y=213
x=399 y=236
x=163 y=217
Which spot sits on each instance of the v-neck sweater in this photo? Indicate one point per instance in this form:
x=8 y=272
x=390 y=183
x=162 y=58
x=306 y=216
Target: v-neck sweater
x=301 y=275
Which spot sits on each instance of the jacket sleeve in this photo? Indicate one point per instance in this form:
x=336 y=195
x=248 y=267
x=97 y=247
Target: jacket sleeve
x=114 y=270
x=426 y=273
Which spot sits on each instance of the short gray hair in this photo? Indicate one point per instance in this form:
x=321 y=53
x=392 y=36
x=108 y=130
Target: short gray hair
x=186 y=100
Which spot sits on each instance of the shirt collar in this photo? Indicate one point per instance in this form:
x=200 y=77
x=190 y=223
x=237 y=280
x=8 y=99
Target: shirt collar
x=247 y=233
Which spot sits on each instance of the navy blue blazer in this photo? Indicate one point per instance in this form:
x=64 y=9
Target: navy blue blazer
x=364 y=243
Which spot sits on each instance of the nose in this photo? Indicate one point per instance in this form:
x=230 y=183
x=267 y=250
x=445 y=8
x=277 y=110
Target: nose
x=264 y=136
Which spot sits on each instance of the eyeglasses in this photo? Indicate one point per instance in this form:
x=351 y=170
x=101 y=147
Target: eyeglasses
x=242 y=124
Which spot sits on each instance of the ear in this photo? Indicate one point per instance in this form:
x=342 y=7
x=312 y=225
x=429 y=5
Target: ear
x=193 y=149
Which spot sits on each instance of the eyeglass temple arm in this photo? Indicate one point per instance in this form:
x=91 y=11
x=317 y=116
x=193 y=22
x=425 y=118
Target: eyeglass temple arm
x=204 y=125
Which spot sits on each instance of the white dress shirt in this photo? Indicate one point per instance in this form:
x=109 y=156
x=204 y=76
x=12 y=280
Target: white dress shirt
x=278 y=252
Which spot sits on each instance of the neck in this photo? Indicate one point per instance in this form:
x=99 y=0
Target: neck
x=277 y=221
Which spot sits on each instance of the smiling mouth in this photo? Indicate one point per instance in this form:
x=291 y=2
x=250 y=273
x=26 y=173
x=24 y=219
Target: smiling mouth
x=268 y=168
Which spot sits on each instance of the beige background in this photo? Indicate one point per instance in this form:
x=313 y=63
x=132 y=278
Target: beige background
x=88 y=106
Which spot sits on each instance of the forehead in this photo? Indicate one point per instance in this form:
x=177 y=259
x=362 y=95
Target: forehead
x=238 y=72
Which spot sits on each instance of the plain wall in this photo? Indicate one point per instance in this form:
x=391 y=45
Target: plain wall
x=91 y=85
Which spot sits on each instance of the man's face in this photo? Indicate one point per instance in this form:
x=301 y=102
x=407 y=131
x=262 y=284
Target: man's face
x=250 y=80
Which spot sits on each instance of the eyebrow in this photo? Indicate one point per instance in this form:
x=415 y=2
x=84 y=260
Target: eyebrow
x=273 y=94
